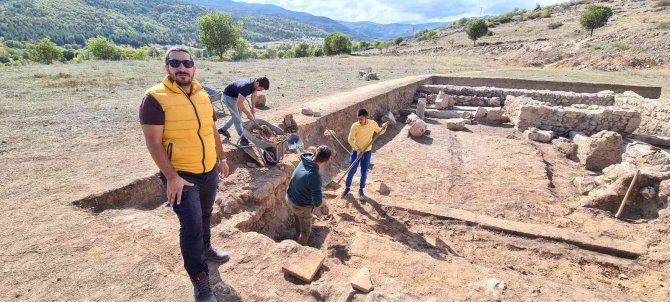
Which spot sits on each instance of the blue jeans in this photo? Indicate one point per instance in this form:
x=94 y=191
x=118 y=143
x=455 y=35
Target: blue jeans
x=364 y=162
x=235 y=115
x=194 y=213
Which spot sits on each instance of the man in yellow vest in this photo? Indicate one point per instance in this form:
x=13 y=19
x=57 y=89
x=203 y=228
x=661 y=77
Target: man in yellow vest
x=177 y=119
x=360 y=139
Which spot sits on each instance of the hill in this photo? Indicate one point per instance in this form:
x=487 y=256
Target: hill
x=636 y=36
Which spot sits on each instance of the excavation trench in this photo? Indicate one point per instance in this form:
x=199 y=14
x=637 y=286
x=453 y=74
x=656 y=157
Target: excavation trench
x=259 y=204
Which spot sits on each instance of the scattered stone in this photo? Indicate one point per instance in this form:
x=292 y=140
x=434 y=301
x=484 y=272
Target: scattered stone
x=289 y=125
x=307 y=111
x=584 y=185
x=653 y=139
x=316 y=114
x=603 y=149
x=252 y=165
x=418 y=128
x=391 y=119
x=441 y=102
x=455 y=124
x=261 y=101
x=304 y=267
x=481 y=112
x=361 y=281
x=623 y=277
x=648 y=193
x=380 y=187
x=411 y=118
x=421 y=108
x=537 y=135
x=371 y=76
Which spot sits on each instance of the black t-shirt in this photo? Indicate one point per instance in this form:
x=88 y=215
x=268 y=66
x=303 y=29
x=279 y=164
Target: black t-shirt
x=244 y=86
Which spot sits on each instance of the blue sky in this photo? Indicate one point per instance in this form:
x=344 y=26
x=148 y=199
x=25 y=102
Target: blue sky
x=402 y=11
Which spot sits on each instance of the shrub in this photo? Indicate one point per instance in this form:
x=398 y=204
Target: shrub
x=103 y=49
x=45 y=52
x=554 y=25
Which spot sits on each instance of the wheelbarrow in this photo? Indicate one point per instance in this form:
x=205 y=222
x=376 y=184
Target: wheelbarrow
x=260 y=149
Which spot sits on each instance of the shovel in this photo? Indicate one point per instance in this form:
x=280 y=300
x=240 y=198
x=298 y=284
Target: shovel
x=294 y=142
x=336 y=185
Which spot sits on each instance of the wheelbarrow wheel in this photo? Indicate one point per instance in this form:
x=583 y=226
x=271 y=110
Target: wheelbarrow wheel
x=270 y=156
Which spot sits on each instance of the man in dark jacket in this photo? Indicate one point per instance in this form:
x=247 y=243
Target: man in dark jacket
x=234 y=95
x=304 y=191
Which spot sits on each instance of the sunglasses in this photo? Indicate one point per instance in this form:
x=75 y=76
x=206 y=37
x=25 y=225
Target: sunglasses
x=176 y=63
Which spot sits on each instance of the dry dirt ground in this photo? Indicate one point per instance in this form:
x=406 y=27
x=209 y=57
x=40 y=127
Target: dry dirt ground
x=69 y=131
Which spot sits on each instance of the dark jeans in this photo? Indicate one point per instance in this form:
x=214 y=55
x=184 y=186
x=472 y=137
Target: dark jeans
x=194 y=213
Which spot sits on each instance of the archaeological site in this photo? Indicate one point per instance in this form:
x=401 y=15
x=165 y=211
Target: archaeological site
x=482 y=189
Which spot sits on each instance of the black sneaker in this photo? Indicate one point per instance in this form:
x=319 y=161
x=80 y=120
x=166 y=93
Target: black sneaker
x=201 y=290
x=224 y=132
x=361 y=195
x=216 y=256
x=244 y=141
x=345 y=192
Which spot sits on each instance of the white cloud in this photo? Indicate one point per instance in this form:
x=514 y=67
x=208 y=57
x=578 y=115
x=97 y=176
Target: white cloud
x=402 y=11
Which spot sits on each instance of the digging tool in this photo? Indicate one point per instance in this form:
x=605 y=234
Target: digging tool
x=332 y=133
x=628 y=193
x=268 y=156
x=336 y=185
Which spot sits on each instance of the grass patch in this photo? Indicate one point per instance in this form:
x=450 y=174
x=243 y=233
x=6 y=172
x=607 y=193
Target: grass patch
x=74 y=84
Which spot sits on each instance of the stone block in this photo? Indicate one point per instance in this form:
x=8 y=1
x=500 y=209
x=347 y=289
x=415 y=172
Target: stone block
x=455 y=124
x=361 y=281
x=601 y=150
x=304 y=266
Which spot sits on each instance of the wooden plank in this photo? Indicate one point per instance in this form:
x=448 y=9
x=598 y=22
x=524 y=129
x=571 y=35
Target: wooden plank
x=619 y=248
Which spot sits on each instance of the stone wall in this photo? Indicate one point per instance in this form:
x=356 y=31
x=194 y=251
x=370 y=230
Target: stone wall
x=525 y=113
x=579 y=87
x=556 y=98
x=655 y=114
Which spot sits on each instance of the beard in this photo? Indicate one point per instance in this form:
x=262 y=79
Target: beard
x=179 y=78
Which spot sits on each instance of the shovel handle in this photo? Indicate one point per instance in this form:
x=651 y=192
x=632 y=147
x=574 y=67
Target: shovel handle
x=358 y=157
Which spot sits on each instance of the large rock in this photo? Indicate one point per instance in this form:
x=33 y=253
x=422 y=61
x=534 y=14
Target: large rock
x=418 y=128
x=455 y=124
x=603 y=149
x=441 y=102
x=565 y=147
x=421 y=108
x=494 y=114
x=537 y=135
x=307 y=111
x=261 y=101
x=370 y=76
x=390 y=118
x=362 y=281
x=305 y=264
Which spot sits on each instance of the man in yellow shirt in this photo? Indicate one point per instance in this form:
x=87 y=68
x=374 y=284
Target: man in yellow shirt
x=360 y=137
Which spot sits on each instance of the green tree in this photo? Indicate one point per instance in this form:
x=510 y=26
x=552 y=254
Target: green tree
x=337 y=43
x=398 y=40
x=316 y=51
x=103 y=49
x=45 y=51
x=218 y=34
x=301 y=50
x=476 y=29
x=595 y=16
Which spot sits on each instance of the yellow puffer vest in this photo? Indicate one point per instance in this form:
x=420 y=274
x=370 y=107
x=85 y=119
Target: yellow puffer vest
x=188 y=136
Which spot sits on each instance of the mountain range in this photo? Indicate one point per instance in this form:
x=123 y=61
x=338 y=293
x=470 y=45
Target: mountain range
x=141 y=22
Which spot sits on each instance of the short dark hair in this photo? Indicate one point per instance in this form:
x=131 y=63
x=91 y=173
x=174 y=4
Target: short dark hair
x=323 y=154
x=177 y=48
x=263 y=82
x=362 y=112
